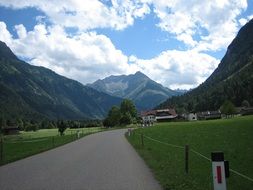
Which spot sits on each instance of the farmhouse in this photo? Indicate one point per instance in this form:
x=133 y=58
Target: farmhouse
x=149 y=117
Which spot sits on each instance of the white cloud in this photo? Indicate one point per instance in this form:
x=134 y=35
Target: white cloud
x=183 y=18
x=87 y=14
x=187 y=39
x=85 y=57
x=4 y=33
x=178 y=69
x=243 y=21
x=202 y=25
x=89 y=56
x=250 y=17
x=187 y=18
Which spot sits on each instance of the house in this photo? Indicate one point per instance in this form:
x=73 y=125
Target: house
x=149 y=117
x=10 y=130
x=207 y=115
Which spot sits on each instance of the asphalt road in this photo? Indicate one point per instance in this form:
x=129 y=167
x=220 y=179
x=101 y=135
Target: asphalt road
x=102 y=161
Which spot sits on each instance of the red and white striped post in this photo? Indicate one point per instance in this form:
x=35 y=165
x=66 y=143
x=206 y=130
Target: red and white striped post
x=129 y=132
x=218 y=167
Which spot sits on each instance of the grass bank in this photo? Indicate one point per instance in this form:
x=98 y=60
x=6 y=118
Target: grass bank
x=232 y=136
x=15 y=147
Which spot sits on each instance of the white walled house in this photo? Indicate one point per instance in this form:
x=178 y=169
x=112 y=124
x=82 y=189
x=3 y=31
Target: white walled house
x=148 y=117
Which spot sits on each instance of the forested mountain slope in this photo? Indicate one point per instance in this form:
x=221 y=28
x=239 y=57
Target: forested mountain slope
x=35 y=92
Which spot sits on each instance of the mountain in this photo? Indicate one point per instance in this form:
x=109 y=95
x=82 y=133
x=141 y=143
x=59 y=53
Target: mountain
x=182 y=91
x=35 y=92
x=232 y=80
x=145 y=92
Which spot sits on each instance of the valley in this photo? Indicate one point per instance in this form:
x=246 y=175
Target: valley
x=133 y=95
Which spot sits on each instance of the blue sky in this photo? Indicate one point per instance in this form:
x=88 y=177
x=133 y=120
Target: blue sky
x=143 y=39
x=177 y=43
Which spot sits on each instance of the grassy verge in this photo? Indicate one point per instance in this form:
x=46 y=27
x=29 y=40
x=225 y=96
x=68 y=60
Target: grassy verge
x=25 y=144
x=232 y=136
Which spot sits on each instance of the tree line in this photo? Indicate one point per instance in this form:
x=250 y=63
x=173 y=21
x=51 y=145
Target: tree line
x=33 y=125
x=121 y=115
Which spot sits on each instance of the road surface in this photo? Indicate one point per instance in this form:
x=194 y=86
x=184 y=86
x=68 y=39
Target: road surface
x=102 y=161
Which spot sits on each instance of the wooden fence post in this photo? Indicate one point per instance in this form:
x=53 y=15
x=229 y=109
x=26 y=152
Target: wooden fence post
x=186 y=159
x=1 y=149
x=53 y=141
x=142 y=142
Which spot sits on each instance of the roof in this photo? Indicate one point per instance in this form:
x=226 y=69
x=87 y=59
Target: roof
x=169 y=111
x=166 y=117
x=164 y=112
x=146 y=113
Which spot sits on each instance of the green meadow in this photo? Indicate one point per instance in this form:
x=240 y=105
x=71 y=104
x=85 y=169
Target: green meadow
x=15 y=147
x=233 y=136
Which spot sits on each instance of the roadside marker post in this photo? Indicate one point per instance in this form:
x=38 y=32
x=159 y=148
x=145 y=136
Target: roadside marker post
x=129 y=132
x=1 y=149
x=186 y=159
x=218 y=168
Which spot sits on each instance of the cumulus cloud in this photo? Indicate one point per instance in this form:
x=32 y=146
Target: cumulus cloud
x=21 y=31
x=87 y=56
x=187 y=18
x=243 y=21
x=4 y=33
x=178 y=69
x=182 y=18
x=88 y=14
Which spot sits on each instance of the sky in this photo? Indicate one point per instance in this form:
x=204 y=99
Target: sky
x=177 y=43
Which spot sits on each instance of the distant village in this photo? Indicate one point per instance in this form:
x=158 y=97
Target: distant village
x=148 y=118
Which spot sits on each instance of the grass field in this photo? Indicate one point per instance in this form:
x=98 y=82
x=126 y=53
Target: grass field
x=26 y=144
x=232 y=136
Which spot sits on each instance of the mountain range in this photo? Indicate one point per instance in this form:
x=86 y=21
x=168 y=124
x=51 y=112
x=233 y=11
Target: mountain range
x=144 y=92
x=33 y=92
x=232 y=80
